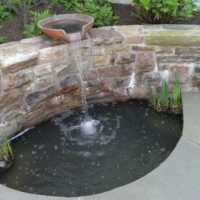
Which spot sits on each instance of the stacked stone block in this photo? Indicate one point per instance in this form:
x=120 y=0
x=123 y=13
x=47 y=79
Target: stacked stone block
x=39 y=77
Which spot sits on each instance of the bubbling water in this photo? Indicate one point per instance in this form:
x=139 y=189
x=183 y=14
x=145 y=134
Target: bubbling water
x=89 y=127
x=87 y=130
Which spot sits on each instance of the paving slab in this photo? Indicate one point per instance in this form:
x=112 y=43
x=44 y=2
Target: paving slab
x=11 y=194
x=191 y=110
x=178 y=178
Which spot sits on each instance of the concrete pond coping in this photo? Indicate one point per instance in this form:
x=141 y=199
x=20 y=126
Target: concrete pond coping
x=177 y=178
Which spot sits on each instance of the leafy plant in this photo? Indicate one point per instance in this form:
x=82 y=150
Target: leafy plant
x=32 y=28
x=161 y=101
x=164 y=11
x=3 y=39
x=20 y=7
x=5 y=12
x=102 y=11
x=6 y=152
x=176 y=96
x=166 y=102
x=67 y=4
x=99 y=9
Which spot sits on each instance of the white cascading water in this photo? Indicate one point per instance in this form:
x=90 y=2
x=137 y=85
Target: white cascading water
x=88 y=126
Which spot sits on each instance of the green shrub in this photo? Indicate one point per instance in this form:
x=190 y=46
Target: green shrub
x=99 y=9
x=165 y=101
x=5 y=13
x=67 y=4
x=176 y=103
x=161 y=101
x=3 y=39
x=164 y=11
x=20 y=7
x=32 y=28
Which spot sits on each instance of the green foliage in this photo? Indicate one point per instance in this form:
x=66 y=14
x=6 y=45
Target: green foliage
x=99 y=9
x=5 y=12
x=3 y=39
x=176 y=96
x=161 y=101
x=166 y=102
x=20 y=7
x=67 y=4
x=164 y=11
x=102 y=11
x=5 y=149
x=32 y=28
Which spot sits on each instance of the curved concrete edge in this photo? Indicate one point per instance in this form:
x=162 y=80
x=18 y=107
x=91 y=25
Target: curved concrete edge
x=191 y=107
x=172 y=180
x=178 y=178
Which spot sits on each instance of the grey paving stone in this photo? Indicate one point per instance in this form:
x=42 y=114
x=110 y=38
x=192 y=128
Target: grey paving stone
x=191 y=107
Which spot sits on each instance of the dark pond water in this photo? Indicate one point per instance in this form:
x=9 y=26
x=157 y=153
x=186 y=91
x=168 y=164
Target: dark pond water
x=78 y=154
x=70 y=26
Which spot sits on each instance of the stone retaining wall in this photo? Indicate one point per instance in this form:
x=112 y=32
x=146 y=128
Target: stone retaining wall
x=39 y=77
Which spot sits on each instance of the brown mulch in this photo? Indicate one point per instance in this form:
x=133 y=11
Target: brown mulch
x=13 y=29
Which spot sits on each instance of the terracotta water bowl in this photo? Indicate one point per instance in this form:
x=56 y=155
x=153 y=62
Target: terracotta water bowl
x=68 y=27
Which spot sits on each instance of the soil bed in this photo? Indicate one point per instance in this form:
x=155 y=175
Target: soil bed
x=13 y=29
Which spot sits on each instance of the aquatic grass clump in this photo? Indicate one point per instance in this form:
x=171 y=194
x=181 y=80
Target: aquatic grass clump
x=165 y=101
x=176 y=103
x=6 y=153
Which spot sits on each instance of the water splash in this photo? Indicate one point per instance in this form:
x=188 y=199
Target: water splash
x=86 y=130
x=89 y=127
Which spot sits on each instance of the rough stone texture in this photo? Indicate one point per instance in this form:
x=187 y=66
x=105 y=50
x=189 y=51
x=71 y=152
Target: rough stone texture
x=40 y=77
x=10 y=98
x=42 y=70
x=133 y=34
x=18 y=79
x=121 y=82
x=178 y=59
x=18 y=61
x=69 y=80
x=145 y=61
x=187 y=51
x=106 y=84
x=139 y=92
x=120 y=93
x=92 y=88
x=121 y=58
x=105 y=36
x=65 y=67
x=173 y=38
x=53 y=53
x=115 y=71
x=38 y=96
x=89 y=75
x=102 y=60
